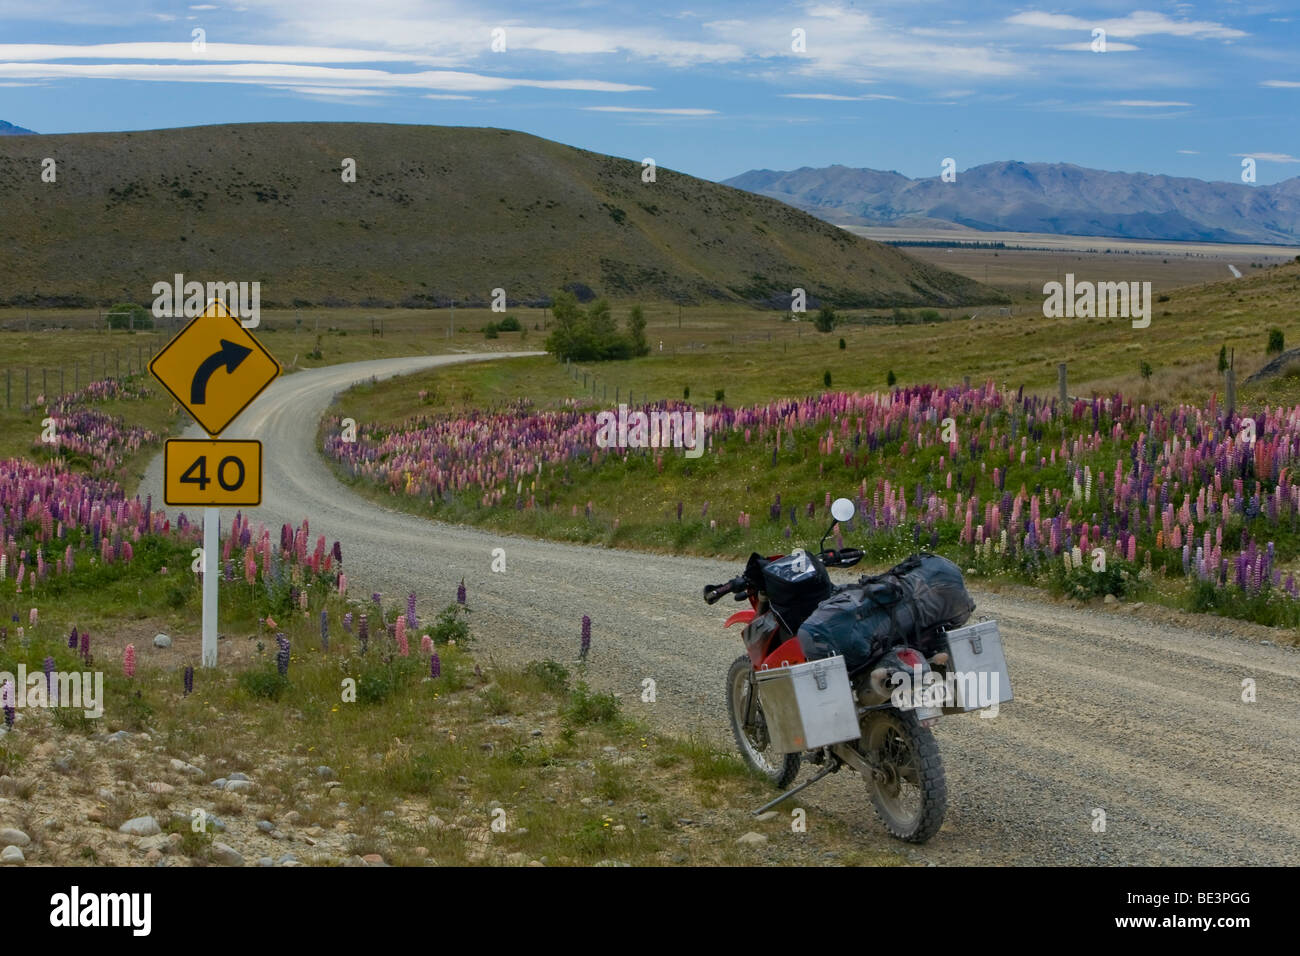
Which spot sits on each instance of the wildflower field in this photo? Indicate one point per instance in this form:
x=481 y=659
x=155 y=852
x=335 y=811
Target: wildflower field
x=1099 y=496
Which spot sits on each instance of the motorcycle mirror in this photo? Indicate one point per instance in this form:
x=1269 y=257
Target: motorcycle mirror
x=842 y=509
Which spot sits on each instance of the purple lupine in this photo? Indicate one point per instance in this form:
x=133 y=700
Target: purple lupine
x=586 y=638
x=375 y=596
x=282 y=655
x=73 y=640
x=347 y=623
x=324 y=630
x=460 y=592
x=49 y=676
x=337 y=552
x=410 y=611
x=363 y=632
x=85 y=648
x=7 y=701
x=189 y=680
x=435 y=665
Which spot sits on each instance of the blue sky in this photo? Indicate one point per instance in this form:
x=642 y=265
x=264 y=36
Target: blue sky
x=710 y=89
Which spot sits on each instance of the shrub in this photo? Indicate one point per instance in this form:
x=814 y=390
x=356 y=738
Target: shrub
x=891 y=378
x=719 y=395
x=509 y=324
x=591 y=335
x=128 y=315
x=552 y=675
x=1144 y=369
x=588 y=707
x=826 y=378
x=1223 y=358
x=1275 y=341
x=490 y=331
x=686 y=394
x=842 y=345
x=452 y=625
x=825 y=320
x=265 y=682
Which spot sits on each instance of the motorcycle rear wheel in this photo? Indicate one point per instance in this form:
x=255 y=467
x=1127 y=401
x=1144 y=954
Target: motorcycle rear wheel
x=911 y=796
x=753 y=741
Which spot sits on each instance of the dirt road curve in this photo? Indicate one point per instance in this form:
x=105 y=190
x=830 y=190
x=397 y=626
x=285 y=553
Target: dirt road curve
x=1134 y=712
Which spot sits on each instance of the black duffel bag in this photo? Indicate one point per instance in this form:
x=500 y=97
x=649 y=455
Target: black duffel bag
x=794 y=584
x=911 y=603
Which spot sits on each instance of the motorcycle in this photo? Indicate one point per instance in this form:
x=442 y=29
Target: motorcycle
x=891 y=746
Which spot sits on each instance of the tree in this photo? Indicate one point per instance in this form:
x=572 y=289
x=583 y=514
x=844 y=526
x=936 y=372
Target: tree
x=636 y=331
x=826 y=378
x=891 y=378
x=825 y=320
x=842 y=345
x=1223 y=358
x=1144 y=369
x=1274 y=341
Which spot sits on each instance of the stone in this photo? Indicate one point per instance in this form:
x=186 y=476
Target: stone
x=158 y=786
x=373 y=859
x=266 y=826
x=10 y=836
x=286 y=858
x=121 y=737
x=437 y=822
x=180 y=766
x=155 y=842
x=238 y=786
x=1110 y=599
x=162 y=640
x=238 y=776
x=265 y=861
x=226 y=855
x=753 y=839
x=11 y=854
x=140 y=826
x=764 y=817
x=325 y=773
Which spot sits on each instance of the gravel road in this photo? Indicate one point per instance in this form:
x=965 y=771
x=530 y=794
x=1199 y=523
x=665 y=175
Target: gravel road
x=1132 y=710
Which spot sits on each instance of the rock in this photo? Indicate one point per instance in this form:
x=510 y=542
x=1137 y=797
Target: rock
x=140 y=826
x=764 y=817
x=517 y=859
x=624 y=761
x=287 y=858
x=216 y=823
x=753 y=839
x=121 y=737
x=220 y=783
x=536 y=863
x=237 y=776
x=537 y=732
x=612 y=863
x=437 y=822
x=373 y=859
x=158 y=786
x=225 y=855
x=155 y=842
x=11 y=854
x=1110 y=599
x=162 y=640
x=265 y=861
x=153 y=856
x=293 y=817
x=186 y=768
x=325 y=772
x=103 y=793
x=332 y=784
x=266 y=826
x=238 y=786
x=10 y=836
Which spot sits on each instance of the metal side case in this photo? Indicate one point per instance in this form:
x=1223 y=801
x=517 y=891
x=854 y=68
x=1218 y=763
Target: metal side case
x=808 y=705
x=977 y=672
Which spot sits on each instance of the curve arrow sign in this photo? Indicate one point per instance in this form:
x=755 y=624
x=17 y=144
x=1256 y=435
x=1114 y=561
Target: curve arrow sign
x=229 y=355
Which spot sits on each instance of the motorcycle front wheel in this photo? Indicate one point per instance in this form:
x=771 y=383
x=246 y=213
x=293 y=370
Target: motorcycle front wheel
x=750 y=728
x=908 y=790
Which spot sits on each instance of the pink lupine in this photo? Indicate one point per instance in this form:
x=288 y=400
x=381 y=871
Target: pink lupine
x=128 y=661
x=426 y=644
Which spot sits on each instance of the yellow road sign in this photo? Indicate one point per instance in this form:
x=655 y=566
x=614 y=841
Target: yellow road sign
x=214 y=368
x=212 y=472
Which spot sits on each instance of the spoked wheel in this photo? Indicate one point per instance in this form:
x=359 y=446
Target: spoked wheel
x=750 y=728
x=909 y=791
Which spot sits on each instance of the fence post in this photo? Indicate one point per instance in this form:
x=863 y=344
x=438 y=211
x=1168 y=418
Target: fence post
x=1060 y=381
x=1232 y=391
x=27 y=386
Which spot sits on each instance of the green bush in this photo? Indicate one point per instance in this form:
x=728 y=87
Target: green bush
x=1275 y=341
x=720 y=395
x=591 y=335
x=552 y=675
x=842 y=345
x=825 y=320
x=509 y=324
x=587 y=707
x=490 y=331
x=128 y=315
x=452 y=625
x=264 y=682
x=826 y=378
x=891 y=378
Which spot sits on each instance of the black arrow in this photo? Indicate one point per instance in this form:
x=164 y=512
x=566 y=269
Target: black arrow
x=230 y=355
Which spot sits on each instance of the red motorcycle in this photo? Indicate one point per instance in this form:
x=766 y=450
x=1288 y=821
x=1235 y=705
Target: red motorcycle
x=785 y=708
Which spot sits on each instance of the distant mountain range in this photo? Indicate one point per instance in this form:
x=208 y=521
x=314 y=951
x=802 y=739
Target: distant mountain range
x=9 y=129
x=1056 y=198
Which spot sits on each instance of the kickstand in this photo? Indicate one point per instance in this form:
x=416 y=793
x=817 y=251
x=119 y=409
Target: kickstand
x=830 y=768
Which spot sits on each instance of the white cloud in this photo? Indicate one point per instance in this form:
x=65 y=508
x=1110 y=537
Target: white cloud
x=1270 y=157
x=1146 y=103
x=1282 y=84
x=1085 y=46
x=837 y=97
x=213 y=52
x=1137 y=24
x=282 y=74
x=1190 y=152
x=640 y=109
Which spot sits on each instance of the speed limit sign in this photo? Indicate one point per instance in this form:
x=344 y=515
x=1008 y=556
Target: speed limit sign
x=212 y=472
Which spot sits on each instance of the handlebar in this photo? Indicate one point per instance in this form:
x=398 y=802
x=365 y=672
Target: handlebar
x=715 y=592
x=844 y=558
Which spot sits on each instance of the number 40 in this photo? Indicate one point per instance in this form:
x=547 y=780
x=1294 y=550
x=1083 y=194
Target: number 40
x=197 y=473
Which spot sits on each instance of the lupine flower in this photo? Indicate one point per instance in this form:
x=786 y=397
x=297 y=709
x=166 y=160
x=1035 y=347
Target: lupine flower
x=73 y=640
x=189 y=680
x=363 y=632
x=586 y=638
x=460 y=592
x=399 y=628
x=282 y=655
x=85 y=647
x=7 y=702
x=410 y=611
x=31 y=617
x=49 y=677
x=435 y=665
x=128 y=661
x=347 y=623
x=324 y=630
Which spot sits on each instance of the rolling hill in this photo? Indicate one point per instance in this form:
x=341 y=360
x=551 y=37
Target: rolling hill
x=434 y=214
x=1056 y=198
x=9 y=129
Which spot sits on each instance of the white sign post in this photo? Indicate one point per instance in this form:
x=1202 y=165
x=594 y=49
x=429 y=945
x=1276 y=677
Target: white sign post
x=211 y=548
